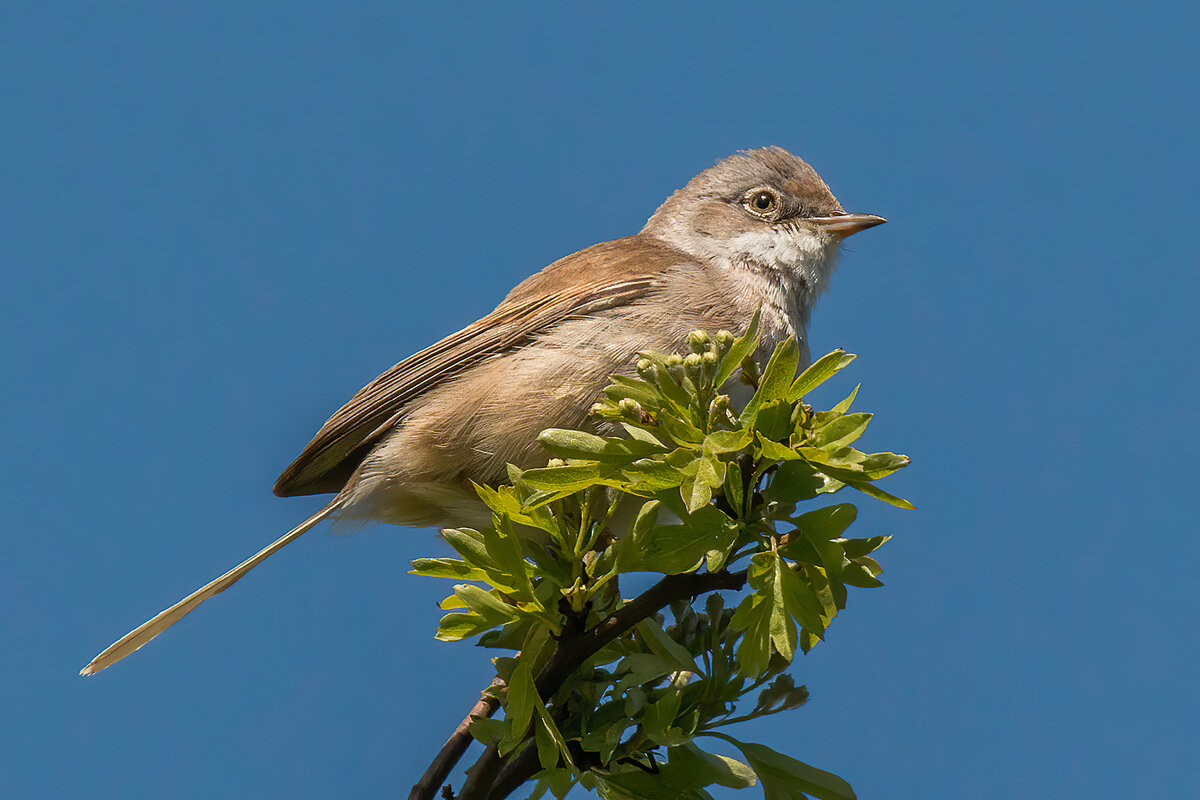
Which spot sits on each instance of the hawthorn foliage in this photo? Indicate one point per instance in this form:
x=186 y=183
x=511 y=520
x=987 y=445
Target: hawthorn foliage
x=609 y=692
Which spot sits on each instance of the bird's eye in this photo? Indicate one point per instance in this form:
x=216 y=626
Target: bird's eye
x=762 y=202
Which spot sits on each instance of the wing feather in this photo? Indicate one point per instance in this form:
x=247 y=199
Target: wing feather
x=606 y=275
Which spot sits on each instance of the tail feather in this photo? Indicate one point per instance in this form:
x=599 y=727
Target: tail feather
x=148 y=630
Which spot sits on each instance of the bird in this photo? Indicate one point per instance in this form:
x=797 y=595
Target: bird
x=759 y=231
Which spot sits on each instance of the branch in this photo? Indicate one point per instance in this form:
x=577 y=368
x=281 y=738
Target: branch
x=572 y=651
x=453 y=749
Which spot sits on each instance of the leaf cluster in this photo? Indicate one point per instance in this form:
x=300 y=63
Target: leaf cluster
x=671 y=480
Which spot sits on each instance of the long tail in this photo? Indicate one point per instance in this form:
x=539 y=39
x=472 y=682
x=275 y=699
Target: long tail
x=153 y=627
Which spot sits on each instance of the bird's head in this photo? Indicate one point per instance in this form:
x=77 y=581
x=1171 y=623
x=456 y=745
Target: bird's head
x=764 y=209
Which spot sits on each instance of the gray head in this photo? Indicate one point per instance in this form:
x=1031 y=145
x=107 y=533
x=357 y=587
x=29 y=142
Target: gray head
x=765 y=208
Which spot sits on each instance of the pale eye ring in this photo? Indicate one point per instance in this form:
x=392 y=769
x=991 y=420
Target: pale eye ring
x=762 y=202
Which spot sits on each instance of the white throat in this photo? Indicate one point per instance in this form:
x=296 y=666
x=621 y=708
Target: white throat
x=784 y=269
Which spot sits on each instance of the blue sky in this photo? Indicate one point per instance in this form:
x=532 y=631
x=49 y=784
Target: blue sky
x=217 y=223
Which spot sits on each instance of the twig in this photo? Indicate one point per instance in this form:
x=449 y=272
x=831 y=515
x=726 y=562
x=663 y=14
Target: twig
x=575 y=648
x=453 y=749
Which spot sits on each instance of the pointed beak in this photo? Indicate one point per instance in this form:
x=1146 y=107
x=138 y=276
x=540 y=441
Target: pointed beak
x=843 y=225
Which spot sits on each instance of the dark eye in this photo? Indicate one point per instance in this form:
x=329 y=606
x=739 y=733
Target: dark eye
x=763 y=201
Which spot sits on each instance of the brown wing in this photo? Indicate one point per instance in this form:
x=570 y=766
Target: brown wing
x=605 y=275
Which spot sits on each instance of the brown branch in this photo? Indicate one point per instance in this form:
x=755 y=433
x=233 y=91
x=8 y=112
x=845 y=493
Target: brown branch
x=574 y=648
x=453 y=749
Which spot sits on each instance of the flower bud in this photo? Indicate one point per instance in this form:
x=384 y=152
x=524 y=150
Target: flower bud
x=630 y=408
x=698 y=341
x=645 y=369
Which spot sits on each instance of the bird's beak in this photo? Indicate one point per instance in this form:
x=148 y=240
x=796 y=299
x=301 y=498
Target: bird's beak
x=843 y=225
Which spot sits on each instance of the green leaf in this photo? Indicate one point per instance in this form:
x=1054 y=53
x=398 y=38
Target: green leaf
x=843 y=430
x=727 y=441
x=634 y=388
x=638 y=668
x=784 y=778
x=872 y=490
x=673 y=549
x=681 y=431
x=741 y=347
x=821 y=370
x=485 y=604
x=794 y=481
x=700 y=478
x=774 y=420
x=547 y=724
x=658 y=717
x=774 y=451
x=446 y=568
x=709 y=768
x=844 y=406
x=569 y=478
x=735 y=488
x=457 y=626
x=651 y=476
x=753 y=618
x=589 y=447
x=860 y=547
x=776 y=380
x=518 y=706
x=665 y=647
x=828 y=522
x=880 y=465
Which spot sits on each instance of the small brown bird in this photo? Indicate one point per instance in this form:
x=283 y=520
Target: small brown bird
x=759 y=228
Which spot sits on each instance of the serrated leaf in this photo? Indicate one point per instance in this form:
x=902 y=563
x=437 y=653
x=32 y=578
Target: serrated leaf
x=821 y=370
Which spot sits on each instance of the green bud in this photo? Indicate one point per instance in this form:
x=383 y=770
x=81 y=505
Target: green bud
x=598 y=409
x=710 y=358
x=556 y=462
x=724 y=338
x=674 y=360
x=630 y=408
x=645 y=369
x=698 y=341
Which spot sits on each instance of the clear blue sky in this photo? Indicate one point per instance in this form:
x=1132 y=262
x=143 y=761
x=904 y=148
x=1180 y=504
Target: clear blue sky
x=217 y=223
